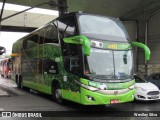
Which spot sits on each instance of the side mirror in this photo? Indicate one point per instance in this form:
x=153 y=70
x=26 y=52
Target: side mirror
x=83 y=40
x=2 y=50
x=145 y=48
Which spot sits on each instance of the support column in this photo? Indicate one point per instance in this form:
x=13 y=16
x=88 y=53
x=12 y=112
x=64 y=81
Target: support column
x=63 y=7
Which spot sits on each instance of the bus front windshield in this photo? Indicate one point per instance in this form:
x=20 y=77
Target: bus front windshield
x=109 y=64
x=105 y=28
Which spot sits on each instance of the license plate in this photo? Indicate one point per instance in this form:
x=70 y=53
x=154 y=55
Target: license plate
x=114 y=101
x=154 y=97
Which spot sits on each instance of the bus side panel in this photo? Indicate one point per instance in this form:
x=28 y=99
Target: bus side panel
x=49 y=56
x=29 y=68
x=54 y=54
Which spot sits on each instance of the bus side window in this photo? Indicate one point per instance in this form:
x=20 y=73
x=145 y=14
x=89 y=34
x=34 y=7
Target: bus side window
x=74 y=63
x=31 y=42
x=50 y=66
x=71 y=28
x=51 y=33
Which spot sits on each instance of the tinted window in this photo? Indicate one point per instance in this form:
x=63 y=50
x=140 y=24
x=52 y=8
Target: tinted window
x=48 y=65
x=71 y=52
x=49 y=34
x=30 y=42
x=67 y=26
x=72 y=58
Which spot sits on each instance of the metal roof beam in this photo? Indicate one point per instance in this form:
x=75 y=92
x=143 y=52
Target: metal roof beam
x=17 y=29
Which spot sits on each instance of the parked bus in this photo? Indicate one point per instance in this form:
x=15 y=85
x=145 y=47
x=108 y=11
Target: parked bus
x=5 y=67
x=79 y=57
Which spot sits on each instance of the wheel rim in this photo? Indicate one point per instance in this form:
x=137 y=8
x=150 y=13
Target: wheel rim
x=58 y=95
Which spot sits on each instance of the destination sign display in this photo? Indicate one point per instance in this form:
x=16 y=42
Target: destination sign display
x=109 y=45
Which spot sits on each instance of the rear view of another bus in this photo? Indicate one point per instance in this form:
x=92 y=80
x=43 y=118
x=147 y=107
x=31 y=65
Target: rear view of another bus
x=5 y=69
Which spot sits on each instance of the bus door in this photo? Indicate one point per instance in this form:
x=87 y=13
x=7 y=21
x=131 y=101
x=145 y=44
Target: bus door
x=72 y=54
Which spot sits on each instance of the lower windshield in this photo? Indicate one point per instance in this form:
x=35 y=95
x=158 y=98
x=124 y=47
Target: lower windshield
x=108 y=64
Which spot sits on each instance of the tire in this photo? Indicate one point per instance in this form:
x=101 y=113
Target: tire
x=19 y=83
x=57 y=94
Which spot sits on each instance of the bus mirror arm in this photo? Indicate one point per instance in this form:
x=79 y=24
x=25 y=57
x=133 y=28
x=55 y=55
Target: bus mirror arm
x=144 y=47
x=82 y=40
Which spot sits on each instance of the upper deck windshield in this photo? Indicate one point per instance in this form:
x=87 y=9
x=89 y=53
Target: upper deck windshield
x=104 y=28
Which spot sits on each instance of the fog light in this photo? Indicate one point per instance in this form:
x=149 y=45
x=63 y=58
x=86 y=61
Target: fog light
x=90 y=98
x=141 y=96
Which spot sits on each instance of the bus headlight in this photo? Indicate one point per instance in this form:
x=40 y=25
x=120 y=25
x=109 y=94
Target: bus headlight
x=89 y=87
x=86 y=86
x=131 y=87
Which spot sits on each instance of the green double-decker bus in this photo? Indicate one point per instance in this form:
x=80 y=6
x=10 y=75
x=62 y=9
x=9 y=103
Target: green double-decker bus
x=79 y=57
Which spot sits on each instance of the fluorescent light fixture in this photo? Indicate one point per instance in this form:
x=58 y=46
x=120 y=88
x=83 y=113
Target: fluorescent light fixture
x=14 y=7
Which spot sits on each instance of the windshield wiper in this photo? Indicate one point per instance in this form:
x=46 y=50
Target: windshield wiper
x=104 y=76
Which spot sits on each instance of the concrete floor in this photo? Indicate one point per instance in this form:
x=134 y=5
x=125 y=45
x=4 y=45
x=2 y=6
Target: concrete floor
x=25 y=100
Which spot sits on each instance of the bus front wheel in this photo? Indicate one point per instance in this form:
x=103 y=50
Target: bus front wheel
x=57 y=94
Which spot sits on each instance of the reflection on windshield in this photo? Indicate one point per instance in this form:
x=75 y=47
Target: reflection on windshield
x=123 y=64
x=96 y=25
x=108 y=64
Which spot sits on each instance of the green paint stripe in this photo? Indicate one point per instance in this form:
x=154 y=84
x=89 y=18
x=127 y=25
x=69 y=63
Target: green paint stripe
x=72 y=96
x=37 y=86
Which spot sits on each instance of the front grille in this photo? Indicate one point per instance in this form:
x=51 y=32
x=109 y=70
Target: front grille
x=153 y=93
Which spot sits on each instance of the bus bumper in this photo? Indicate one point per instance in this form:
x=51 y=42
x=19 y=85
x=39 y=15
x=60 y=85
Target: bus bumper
x=95 y=98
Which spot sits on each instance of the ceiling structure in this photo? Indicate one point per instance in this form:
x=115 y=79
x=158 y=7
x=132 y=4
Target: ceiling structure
x=116 y=8
x=128 y=10
x=123 y=9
